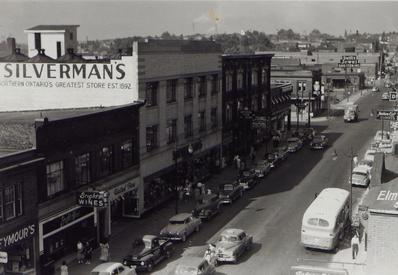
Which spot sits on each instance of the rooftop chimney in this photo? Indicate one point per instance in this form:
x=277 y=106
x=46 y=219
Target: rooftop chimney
x=11 y=45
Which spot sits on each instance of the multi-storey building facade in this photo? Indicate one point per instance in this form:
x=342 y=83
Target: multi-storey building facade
x=250 y=109
x=18 y=211
x=180 y=82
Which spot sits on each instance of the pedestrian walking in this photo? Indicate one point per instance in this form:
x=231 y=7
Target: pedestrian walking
x=80 y=252
x=64 y=268
x=104 y=257
x=355 y=245
x=88 y=252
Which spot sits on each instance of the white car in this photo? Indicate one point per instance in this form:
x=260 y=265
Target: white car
x=181 y=226
x=370 y=154
x=380 y=135
x=368 y=164
x=112 y=268
x=262 y=168
x=360 y=176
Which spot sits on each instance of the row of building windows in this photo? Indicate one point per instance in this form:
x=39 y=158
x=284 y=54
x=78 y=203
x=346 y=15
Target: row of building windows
x=254 y=81
x=11 y=202
x=152 y=132
x=240 y=106
x=151 y=92
x=83 y=167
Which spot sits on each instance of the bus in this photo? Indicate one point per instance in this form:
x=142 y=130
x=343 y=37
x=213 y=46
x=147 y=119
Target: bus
x=326 y=219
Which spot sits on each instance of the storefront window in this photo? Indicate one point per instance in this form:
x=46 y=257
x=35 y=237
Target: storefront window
x=127 y=153
x=20 y=258
x=55 y=177
x=106 y=161
x=82 y=169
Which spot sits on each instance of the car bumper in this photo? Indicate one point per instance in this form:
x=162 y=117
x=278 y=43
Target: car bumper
x=172 y=237
x=224 y=258
x=317 y=147
x=226 y=200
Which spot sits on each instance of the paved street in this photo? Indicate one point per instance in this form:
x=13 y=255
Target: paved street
x=273 y=210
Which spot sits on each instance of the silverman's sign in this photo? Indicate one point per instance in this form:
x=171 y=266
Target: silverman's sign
x=386 y=114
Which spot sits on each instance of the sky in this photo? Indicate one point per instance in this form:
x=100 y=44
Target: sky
x=115 y=18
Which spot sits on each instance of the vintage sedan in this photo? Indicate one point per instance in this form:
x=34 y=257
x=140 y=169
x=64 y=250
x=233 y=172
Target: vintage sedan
x=319 y=142
x=262 y=168
x=294 y=144
x=228 y=192
x=208 y=206
x=273 y=159
x=181 y=226
x=282 y=152
x=232 y=244
x=155 y=250
x=368 y=164
x=248 y=179
x=112 y=268
x=190 y=265
x=360 y=176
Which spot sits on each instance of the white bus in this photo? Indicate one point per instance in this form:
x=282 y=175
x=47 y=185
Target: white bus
x=325 y=220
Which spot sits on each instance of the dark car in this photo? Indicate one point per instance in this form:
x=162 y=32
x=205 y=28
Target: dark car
x=282 y=152
x=273 y=159
x=319 y=142
x=248 y=179
x=230 y=192
x=208 y=206
x=155 y=250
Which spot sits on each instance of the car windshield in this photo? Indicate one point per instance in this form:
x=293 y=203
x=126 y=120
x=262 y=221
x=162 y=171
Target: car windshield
x=225 y=238
x=147 y=244
x=100 y=273
x=359 y=174
x=186 y=270
x=176 y=222
x=318 y=222
x=228 y=187
x=365 y=163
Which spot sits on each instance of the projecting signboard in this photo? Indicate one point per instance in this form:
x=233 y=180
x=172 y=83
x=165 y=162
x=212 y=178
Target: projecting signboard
x=393 y=96
x=349 y=61
x=93 y=199
x=386 y=114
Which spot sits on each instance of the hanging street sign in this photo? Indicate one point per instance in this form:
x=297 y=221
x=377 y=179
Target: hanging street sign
x=393 y=96
x=93 y=199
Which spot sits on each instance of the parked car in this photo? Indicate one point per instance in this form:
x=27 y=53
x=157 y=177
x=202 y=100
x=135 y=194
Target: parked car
x=319 y=142
x=112 y=268
x=360 y=176
x=190 y=265
x=208 y=206
x=375 y=89
x=385 y=96
x=262 y=168
x=181 y=226
x=370 y=154
x=232 y=244
x=248 y=179
x=282 y=152
x=155 y=250
x=368 y=164
x=309 y=133
x=230 y=192
x=385 y=146
x=273 y=159
x=294 y=144
x=381 y=135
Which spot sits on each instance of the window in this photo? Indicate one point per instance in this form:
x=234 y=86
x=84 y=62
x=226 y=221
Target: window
x=213 y=117
x=214 y=84
x=82 y=169
x=37 y=41
x=202 y=121
x=240 y=81
x=55 y=177
x=171 y=90
x=188 y=88
x=71 y=36
x=151 y=94
x=105 y=161
x=127 y=153
x=264 y=77
x=151 y=137
x=263 y=102
x=254 y=78
x=228 y=82
x=188 y=126
x=171 y=130
x=228 y=113
x=11 y=206
x=202 y=86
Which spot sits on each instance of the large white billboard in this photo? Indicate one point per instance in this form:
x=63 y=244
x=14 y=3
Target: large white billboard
x=39 y=86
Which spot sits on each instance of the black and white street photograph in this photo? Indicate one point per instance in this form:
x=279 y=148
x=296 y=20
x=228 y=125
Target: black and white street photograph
x=190 y=137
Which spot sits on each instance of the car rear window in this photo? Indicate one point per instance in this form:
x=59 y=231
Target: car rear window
x=318 y=222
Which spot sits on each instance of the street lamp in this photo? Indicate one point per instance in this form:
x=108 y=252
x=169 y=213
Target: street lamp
x=353 y=160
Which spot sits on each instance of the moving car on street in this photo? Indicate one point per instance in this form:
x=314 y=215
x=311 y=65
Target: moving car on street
x=262 y=168
x=230 y=192
x=190 y=265
x=360 y=176
x=155 y=250
x=319 y=142
x=294 y=144
x=326 y=219
x=351 y=113
x=208 y=206
x=112 y=268
x=232 y=244
x=181 y=226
